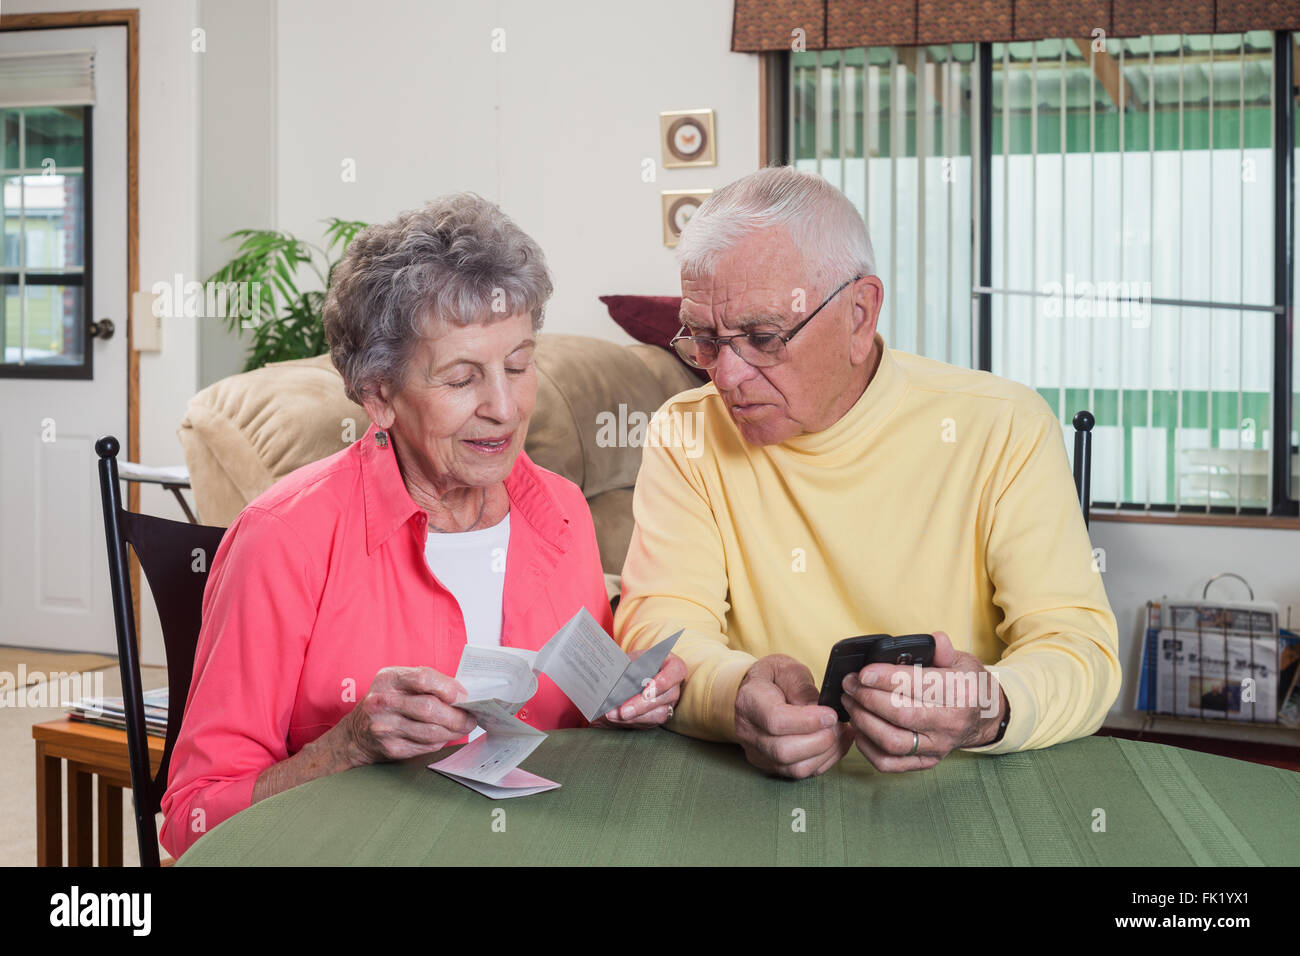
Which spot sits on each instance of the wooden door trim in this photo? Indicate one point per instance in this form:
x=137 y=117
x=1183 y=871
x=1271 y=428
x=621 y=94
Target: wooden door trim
x=129 y=18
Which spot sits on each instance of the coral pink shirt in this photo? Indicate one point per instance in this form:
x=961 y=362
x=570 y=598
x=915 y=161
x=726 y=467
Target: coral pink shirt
x=321 y=582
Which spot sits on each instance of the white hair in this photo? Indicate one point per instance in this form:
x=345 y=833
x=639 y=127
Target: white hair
x=824 y=225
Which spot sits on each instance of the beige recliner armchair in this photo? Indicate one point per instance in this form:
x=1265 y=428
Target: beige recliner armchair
x=243 y=433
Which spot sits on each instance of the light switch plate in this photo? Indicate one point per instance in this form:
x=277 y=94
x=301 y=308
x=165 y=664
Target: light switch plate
x=146 y=328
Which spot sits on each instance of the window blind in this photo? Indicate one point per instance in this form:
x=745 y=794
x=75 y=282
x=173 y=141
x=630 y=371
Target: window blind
x=47 y=78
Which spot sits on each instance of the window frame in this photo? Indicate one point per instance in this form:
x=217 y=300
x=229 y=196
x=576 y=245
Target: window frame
x=85 y=370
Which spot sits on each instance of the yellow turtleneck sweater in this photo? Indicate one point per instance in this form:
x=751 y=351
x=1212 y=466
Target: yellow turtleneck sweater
x=942 y=500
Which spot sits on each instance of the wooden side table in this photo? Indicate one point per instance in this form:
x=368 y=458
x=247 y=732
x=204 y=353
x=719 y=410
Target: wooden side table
x=96 y=756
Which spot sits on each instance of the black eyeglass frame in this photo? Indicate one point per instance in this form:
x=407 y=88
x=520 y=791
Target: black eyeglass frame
x=720 y=340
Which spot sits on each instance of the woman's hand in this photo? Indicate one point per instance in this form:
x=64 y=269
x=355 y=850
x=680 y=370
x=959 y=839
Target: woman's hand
x=407 y=711
x=654 y=704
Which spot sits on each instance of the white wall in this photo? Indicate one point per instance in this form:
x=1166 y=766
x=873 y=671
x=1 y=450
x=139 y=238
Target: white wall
x=237 y=140
x=554 y=128
x=1146 y=562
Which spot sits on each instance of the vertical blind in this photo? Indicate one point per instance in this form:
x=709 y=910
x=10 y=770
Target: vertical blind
x=892 y=128
x=1144 y=187
x=1132 y=231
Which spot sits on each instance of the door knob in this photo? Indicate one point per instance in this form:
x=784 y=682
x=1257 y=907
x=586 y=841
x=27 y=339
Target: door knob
x=103 y=329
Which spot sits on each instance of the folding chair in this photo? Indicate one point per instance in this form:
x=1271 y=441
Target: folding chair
x=175 y=557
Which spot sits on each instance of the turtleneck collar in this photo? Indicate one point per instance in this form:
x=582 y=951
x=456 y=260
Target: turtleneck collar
x=867 y=414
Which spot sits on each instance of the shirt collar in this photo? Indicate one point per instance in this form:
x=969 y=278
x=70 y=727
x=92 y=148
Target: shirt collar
x=389 y=505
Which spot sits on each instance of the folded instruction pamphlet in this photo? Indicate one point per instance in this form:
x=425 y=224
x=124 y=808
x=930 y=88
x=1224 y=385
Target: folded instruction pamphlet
x=581 y=659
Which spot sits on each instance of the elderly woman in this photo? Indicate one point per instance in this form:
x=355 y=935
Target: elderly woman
x=341 y=599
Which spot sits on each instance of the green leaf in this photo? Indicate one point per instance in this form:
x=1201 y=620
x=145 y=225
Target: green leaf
x=289 y=324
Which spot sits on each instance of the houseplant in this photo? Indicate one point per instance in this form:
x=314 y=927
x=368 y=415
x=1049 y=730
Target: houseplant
x=286 y=320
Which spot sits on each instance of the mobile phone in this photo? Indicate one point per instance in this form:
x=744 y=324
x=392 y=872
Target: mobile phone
x=854 y=653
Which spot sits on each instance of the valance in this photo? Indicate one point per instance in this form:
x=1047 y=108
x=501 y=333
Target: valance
x=761 y=25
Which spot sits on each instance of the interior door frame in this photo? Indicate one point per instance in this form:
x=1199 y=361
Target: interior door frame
x=129 y=18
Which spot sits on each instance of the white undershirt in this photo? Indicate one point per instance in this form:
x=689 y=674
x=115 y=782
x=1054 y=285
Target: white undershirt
x=472 y=566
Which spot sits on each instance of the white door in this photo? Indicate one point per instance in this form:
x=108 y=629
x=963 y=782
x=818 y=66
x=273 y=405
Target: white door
x=54 y=589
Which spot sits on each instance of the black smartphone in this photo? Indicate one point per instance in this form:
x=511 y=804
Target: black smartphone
x=854 y=653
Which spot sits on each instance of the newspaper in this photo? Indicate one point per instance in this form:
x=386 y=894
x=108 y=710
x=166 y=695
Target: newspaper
x=1217 y=661
x=580 y=658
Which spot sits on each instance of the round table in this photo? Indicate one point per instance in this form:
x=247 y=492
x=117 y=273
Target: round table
x=654 y=797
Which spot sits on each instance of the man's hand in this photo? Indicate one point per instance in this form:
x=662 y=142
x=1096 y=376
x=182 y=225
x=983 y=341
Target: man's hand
x=779 y=724
x=654 y=704
x=885 y=707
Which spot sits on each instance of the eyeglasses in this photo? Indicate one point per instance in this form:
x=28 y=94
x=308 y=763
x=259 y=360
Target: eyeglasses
x=759 y=349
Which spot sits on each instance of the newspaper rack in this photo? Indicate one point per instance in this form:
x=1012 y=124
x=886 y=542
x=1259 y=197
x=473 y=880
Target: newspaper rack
x=1219 y=661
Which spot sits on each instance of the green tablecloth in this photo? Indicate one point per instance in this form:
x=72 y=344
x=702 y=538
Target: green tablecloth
x=656 y=798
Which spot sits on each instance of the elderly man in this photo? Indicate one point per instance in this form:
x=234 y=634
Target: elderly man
x=834 y=488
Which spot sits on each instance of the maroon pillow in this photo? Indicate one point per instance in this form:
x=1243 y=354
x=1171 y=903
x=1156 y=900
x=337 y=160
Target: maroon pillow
x=652 y=319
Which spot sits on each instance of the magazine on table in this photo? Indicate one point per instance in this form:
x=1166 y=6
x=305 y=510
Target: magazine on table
x=111 y=712
x=1288 y=711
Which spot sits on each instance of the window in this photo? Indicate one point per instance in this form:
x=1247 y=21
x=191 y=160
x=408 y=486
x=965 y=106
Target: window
x=1131 y=239
x=45 y=189
x=854 y=121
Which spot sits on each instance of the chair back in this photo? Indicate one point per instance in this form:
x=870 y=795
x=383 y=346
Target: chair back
x=175 y=557
x=1083 y=422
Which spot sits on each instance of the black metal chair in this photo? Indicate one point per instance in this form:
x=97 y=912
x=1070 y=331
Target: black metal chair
x=1083 y=422
x=175 y=557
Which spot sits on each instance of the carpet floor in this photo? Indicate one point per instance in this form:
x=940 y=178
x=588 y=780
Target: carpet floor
x=36 y=663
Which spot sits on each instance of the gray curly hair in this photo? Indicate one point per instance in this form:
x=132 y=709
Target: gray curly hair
x=457 y=259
